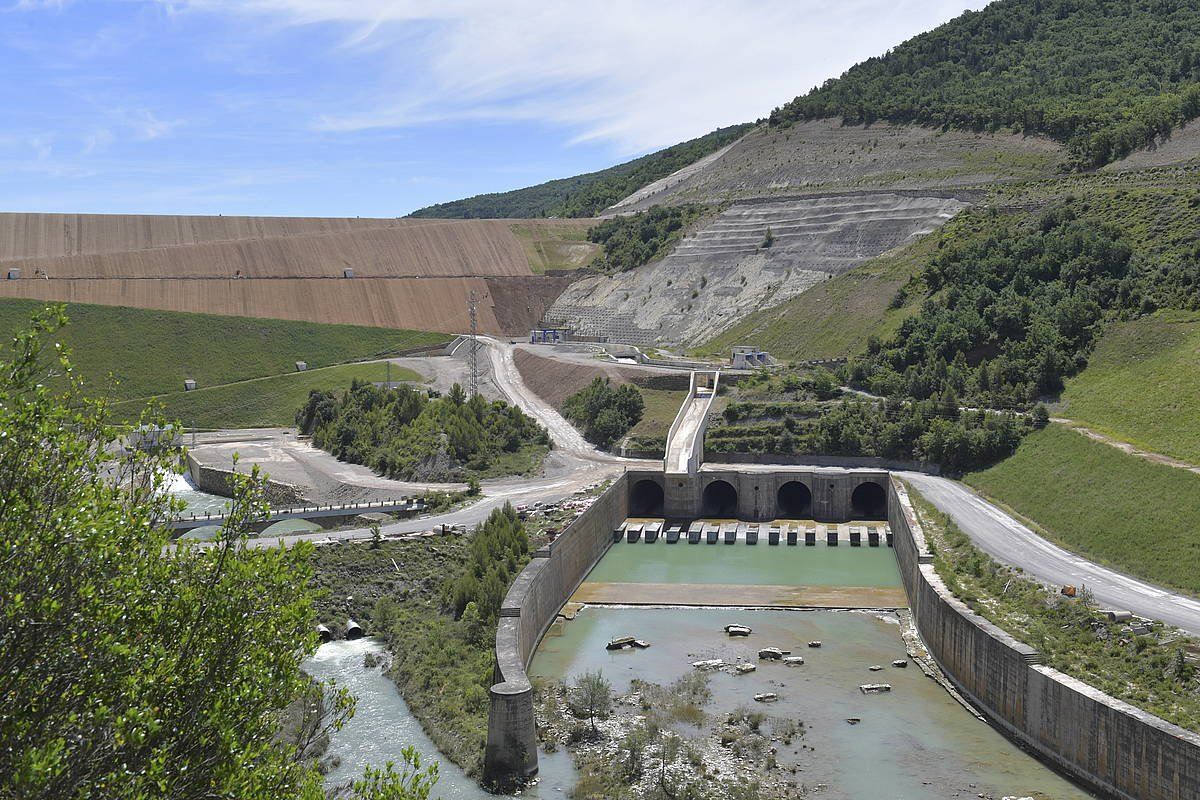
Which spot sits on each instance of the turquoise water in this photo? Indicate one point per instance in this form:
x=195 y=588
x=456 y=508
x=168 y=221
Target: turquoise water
x=747 y=565
x=914 y=743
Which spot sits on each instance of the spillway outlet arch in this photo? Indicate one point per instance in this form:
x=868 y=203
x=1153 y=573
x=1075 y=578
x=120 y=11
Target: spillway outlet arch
x=794 y=500
x=719 y=500
x=868 y=501
x=646 y=499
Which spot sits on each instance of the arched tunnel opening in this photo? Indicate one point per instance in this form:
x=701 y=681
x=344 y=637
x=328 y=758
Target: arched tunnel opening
x=646 y=499
x=719 y=500
x=868 y=501
x=794 y=500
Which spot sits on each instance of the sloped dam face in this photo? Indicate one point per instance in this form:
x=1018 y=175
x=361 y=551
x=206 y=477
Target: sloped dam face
x=912 y=743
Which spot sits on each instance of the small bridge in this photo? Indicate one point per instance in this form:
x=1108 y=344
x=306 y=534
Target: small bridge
x=403 y=505
x=685 y=441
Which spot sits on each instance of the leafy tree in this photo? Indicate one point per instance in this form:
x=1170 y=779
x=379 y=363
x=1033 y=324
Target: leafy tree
x=631 y=240
x=132 y=666
x=591 y=696
x=604 y=413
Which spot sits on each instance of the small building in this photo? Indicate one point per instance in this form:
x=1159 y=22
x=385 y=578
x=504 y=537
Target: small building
x=348 y=272
x=189 y=384
x=301 y=366
x=14 y=274
x=749 y=357
x=546 y=336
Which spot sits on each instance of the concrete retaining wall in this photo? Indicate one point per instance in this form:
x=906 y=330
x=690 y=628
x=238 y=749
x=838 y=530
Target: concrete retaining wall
x=1107 y=744
x=530 y=606
x=220 y=482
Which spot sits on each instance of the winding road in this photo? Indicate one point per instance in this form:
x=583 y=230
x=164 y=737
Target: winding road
x=574 y=465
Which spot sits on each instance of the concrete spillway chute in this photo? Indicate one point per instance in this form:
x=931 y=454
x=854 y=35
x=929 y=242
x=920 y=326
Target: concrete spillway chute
x=685 y=441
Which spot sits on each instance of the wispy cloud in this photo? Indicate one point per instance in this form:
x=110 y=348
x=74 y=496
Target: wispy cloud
x=638 y=74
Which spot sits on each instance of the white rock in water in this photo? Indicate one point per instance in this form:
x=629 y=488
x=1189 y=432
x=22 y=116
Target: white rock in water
x=766 y=697
x=793 y=661
x=712 y=663
x=743 y=668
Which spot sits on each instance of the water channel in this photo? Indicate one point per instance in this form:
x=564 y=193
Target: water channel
x=913 y=743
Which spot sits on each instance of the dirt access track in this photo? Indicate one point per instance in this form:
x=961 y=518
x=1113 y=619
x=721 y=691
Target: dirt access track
x=406 y=273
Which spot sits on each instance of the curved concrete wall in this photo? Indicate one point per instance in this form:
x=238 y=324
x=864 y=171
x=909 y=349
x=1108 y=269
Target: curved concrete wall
x=1107 y=744
x=529 y=607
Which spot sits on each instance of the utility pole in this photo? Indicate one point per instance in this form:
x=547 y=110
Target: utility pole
x=472 y=302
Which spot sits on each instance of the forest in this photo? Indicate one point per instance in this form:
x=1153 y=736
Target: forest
x=632 y=240
x=405 y=433
x=603 y=413
x=589 y=194
x=1011 y=308
x=1104 y=77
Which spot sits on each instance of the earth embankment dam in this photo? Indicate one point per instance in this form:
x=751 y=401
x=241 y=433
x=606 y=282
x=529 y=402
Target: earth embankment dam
x=381 y=272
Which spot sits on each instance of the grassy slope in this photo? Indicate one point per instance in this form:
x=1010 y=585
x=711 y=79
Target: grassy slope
x=151 y=352
x=557 y=247
x=834 y=319
x=661 y=407
x=259 y=402
x=1142 y=385
x=1111 y=507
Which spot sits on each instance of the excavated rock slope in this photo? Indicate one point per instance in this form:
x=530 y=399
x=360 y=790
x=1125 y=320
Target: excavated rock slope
x=721 y=272
x=825 y=155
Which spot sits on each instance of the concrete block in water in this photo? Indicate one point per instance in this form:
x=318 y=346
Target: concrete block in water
x=831 y=535
x=810 y=537
x=873 y=537
x=792 y=536
x=856 y=537
x=773 y=535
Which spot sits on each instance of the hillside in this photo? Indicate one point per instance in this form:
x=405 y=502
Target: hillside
x=728 y=267
x=415 y=274
x=151 y=352
x=588 y=194
x=1105 y=77
x=1142 y=385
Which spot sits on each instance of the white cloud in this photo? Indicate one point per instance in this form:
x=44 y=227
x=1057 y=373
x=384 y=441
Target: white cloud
x=637 y=74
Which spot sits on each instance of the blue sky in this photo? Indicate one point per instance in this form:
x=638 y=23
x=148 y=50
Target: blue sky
x=376 y=108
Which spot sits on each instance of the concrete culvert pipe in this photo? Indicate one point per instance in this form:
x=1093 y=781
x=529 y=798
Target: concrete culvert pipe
x=794 y=500
x=868 y=501
x=354 y=630
x=719 y=500
x=323 y=633
x=646 y=499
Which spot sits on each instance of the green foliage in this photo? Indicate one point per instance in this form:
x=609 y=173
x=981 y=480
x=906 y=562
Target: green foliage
x=499 y=549
x=922 y=431
x=1009 y=312
x=410 y=782
x=1150 y=672
x=591 y=696
x=603 y=413
x=1103 y=503
x=404 y=433
x=151 y=352
x=130 y=669
x=631 y=240
x=1104 y=76
x=589 y=194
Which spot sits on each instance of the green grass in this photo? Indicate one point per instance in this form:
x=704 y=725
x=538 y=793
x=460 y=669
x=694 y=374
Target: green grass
x=661 y=407
x=151 y=352
x=1142 y=385
x=259 y=402
x=555 y=246
x=835 y=318
x=1115 y=508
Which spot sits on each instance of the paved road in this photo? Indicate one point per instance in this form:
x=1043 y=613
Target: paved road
x=1009 y=541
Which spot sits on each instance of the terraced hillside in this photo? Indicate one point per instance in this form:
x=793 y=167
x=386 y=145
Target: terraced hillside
x=721 y=272
x=825 y=155
x=406 y=273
